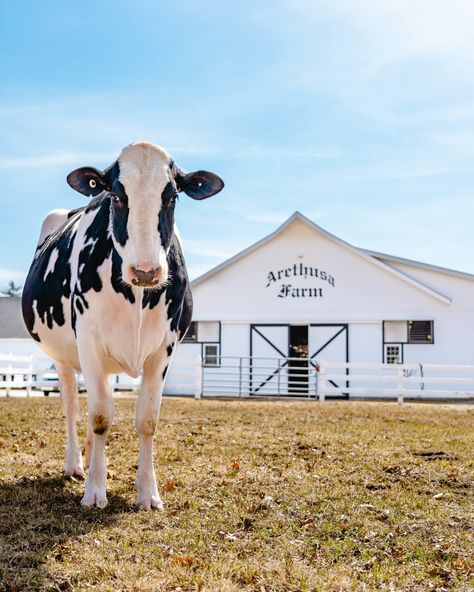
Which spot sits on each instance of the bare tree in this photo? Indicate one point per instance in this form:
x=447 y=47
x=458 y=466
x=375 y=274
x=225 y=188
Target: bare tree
x=12 y=289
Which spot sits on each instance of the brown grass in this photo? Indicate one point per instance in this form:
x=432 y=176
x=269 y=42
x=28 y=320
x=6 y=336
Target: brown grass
x=259 y=496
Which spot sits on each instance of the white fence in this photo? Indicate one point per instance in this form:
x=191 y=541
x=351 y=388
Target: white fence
x=423 y=381
x=246 y=377
x=16 y=372
x=30 y=373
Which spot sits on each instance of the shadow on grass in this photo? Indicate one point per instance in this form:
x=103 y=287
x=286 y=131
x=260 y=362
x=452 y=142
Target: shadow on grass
x=37 y=517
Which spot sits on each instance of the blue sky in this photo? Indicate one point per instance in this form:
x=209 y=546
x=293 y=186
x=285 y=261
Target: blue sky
x=358 y=113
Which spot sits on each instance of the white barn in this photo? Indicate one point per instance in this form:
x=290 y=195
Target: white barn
x=301 y=291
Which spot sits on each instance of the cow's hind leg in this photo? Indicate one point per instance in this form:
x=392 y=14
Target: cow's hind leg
x=70 y=401
x=148 y=409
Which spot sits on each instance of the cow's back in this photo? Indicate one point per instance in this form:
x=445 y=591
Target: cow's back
x=47 y=291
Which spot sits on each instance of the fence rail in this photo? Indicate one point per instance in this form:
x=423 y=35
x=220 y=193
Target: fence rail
x=397 y=380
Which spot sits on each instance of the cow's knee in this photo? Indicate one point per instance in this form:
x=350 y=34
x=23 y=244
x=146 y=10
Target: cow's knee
x=146 y=426
x=100 y=423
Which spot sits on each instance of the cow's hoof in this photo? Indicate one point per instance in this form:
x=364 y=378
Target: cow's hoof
x=151 y=503
x=94 y=499
x=76 y=473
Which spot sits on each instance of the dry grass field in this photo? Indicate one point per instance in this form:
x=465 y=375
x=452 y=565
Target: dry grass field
x=258 y=496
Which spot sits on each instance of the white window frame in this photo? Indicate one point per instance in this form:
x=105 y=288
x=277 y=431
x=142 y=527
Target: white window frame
x=386 y=346
x=217 y=355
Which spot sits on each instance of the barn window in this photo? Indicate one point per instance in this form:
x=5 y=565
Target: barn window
x=191 y=334
x=420 y=331
x=211 y=354
x=393 y=353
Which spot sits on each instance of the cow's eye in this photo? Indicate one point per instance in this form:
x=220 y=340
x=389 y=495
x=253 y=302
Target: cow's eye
x=116 y=198
x=171 y=200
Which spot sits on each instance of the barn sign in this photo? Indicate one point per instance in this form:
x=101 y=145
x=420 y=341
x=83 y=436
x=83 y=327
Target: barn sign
x=300 y=271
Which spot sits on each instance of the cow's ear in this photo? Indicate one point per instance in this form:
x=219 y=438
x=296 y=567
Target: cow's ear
x=199 y=185
x=88 y=181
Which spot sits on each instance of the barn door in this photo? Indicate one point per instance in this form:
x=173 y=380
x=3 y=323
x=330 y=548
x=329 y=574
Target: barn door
x=330 y=342
x=268 y=357
x=298 y=359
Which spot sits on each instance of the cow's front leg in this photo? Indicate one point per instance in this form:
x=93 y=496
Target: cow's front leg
x=148 y=409
x=70 y=401
x=100 y=417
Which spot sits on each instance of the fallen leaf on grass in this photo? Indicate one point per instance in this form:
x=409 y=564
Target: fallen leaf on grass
x=181 y=560
x=169 y=485
x=235 y=465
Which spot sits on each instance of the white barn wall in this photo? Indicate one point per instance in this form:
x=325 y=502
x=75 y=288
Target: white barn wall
x=365 y=342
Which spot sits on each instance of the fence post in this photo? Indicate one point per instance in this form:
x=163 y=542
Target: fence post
x=279 y=378
x=9 y=379
x=240 y=376
x=400 y=386
x=198 y=385
x=320 y=382
x=29 y=377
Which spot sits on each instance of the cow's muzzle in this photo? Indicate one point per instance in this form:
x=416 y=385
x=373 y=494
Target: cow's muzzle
x=145 y=276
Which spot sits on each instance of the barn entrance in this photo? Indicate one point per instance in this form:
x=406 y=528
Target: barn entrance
x=298 y=355
x=285 y=344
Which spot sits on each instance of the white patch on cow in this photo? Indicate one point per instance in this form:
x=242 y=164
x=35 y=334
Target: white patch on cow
x=90 y=243
x=51 y=263
x=177 y=235
x=144 y=173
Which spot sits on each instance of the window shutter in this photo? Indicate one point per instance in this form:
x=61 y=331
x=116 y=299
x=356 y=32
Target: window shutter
x=208 y=331
x=395 y=332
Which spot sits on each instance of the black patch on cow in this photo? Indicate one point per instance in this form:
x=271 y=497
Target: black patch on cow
x=164 y=372
x=48 y=291
x=119 y=211
x=97 y=248
x=116 y=279
x=75 y=211
x=178 y=294
x=177 y=291
x=169 y=349
x=166 y=215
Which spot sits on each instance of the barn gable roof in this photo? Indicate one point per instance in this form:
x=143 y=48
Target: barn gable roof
x=377 y=259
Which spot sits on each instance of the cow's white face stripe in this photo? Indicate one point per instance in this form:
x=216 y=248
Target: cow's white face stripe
x=144 y=174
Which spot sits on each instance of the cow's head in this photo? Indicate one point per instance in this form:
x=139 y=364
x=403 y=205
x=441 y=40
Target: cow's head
x=142 y=186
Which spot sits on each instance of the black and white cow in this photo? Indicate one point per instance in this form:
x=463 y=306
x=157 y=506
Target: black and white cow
x=108 y=292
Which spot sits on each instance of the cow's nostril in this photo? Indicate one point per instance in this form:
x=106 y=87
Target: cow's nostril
x=145 y=277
